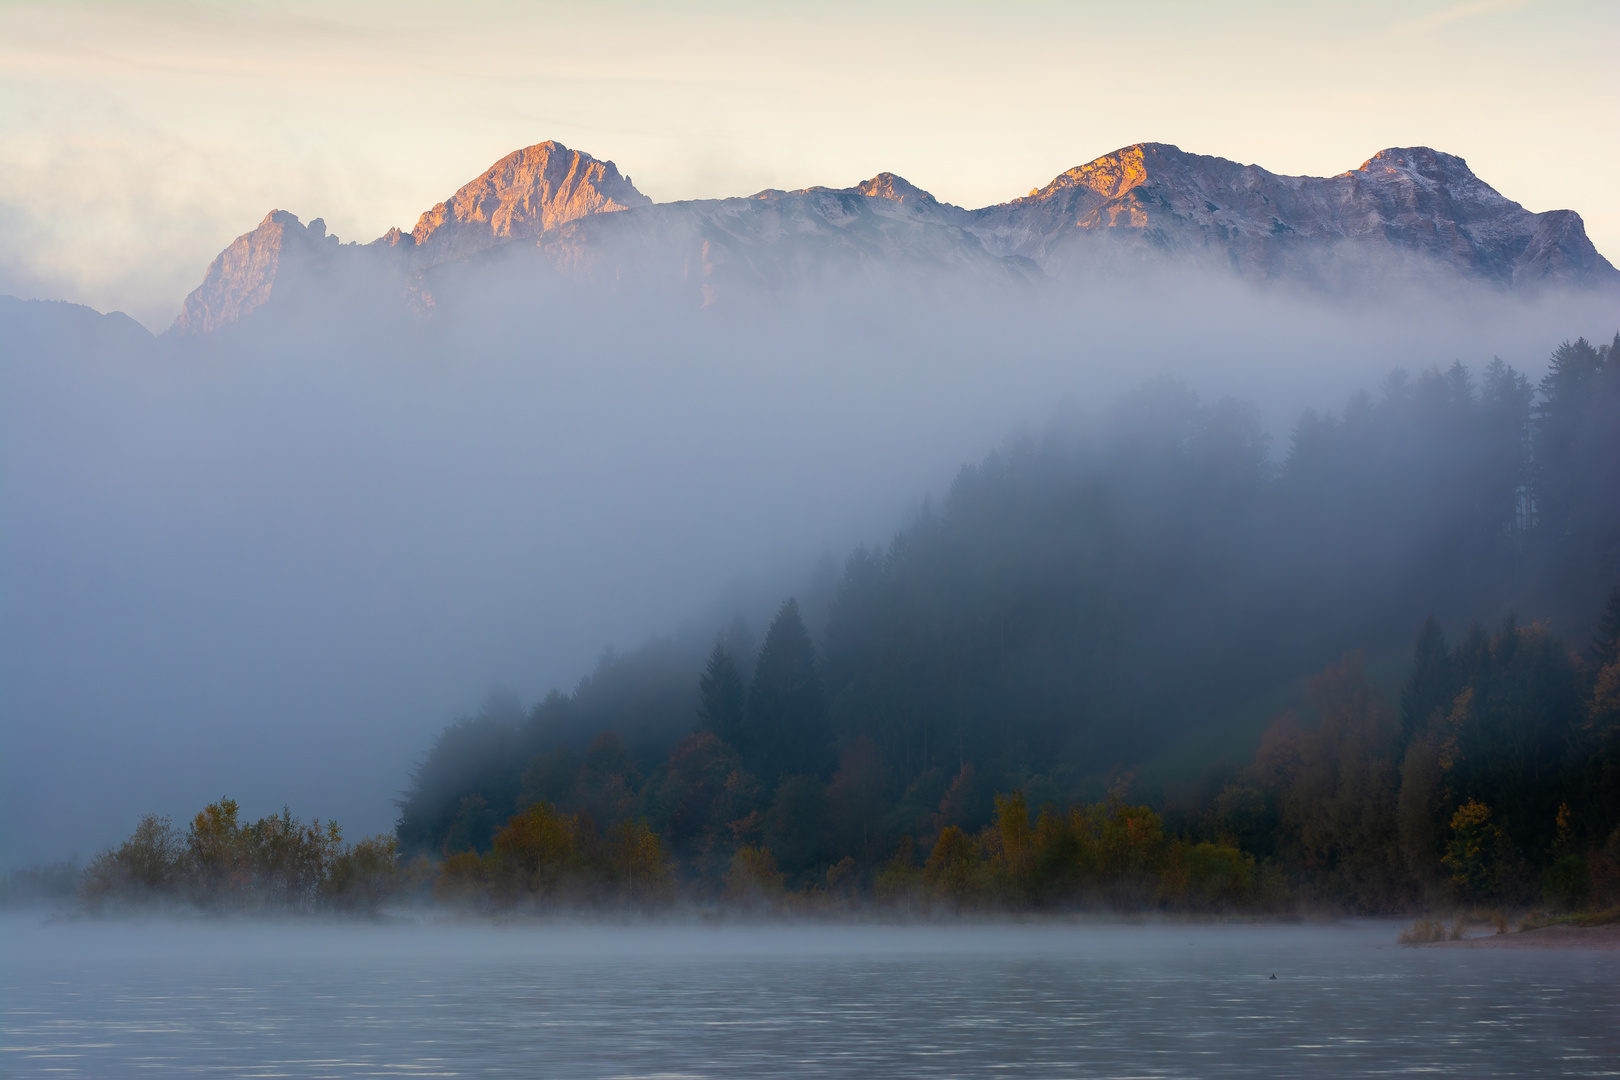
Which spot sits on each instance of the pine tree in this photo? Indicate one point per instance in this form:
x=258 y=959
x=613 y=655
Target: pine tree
x=786 y=729
x=722 y=699
x=1431 y=685
x=1606 y=642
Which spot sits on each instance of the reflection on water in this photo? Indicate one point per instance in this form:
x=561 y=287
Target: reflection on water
x=103 y=1000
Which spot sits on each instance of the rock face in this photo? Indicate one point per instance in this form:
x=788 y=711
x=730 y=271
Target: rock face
x=257 y=264
x=776 y=240
x=562 y=211
x=520 y=197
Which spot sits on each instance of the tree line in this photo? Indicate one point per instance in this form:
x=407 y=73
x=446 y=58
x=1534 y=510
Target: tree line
x=1081 y=598
x=963 y=715
x=224 y=864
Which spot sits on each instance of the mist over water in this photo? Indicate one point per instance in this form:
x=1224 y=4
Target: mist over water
x=1039 y=999
x=271 y=562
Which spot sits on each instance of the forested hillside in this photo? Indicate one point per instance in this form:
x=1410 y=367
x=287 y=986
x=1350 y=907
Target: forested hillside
x=1077 y=601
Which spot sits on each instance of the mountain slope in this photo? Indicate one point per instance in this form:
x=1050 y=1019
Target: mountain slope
x=57 y=327
x=772 y=240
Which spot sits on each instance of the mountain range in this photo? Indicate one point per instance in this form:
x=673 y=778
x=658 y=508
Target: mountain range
x=556 y=212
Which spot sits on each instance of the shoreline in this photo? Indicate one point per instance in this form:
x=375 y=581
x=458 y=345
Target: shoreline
x=1588 y=938
x=1602 y=938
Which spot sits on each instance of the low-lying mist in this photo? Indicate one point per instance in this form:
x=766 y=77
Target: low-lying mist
x=724 y=1000
x=272 y=561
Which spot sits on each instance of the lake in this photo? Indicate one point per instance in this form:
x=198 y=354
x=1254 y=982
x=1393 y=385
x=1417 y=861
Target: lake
x=242 y=999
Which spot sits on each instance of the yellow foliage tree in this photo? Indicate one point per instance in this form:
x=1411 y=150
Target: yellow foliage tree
x=538 y=851
x=950 y=866
x=1471 y=854
x=753 y=875
x=1014 y=832
x=635 y=860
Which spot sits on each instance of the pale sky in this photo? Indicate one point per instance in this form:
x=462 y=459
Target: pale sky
x=137 y=139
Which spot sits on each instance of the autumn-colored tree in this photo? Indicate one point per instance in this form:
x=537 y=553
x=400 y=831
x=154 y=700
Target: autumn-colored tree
x=1244 y=815
x=1016 y=838
x=1129 y=845
x=546 y=856
x=364 y=876
x=841 y=876
x=693 y=798
x=950 y=867
x=147 y=865
x=214 y=848
x=1341 y=803
x=1471 y=854
x=609 y=779
x=1568 y=881
x=753 y=877
x=1209 y=876
x=288 y=861
x=1061 y=855
x=900 y=879
x=275 y=862
x=539 y=852
x=954 y=805
x=463 y=878
x=635 y=861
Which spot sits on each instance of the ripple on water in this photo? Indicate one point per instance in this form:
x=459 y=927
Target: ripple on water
x=1030 y=1001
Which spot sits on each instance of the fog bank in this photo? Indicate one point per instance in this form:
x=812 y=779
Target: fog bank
x=271 y=562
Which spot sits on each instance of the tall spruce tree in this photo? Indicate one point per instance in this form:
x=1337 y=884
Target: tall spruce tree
x=786 y=728
x=1432 y=683
x=1606 y=642
x=1578 y=464
x=722 y=699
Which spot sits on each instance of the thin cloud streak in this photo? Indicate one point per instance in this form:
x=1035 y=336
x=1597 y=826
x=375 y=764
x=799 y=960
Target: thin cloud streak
x=1462 y=12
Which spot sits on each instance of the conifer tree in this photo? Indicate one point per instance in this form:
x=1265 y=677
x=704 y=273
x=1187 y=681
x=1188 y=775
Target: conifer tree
x=1431 y=684
x=786 y=728
x=1606 y=642
x=722 y=698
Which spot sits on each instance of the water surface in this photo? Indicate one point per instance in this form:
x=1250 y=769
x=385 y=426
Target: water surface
x=1037 y=1000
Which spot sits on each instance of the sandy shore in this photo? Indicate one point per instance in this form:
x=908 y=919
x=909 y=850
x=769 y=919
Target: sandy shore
x=1605 y=938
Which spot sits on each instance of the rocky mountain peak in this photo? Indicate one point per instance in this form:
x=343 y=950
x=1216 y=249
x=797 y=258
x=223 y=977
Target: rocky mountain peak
x=1111 y=175
x=1421 y=160
x=886 y=185
x=522 y=195
x=1431 y=170
x=242 y=277
x=394 y=237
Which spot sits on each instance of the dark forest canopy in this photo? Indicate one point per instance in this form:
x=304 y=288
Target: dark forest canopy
x=1080 y=599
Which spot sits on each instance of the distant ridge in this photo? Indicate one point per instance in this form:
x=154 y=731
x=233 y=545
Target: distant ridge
x=1412 y=200
x=565 y=212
